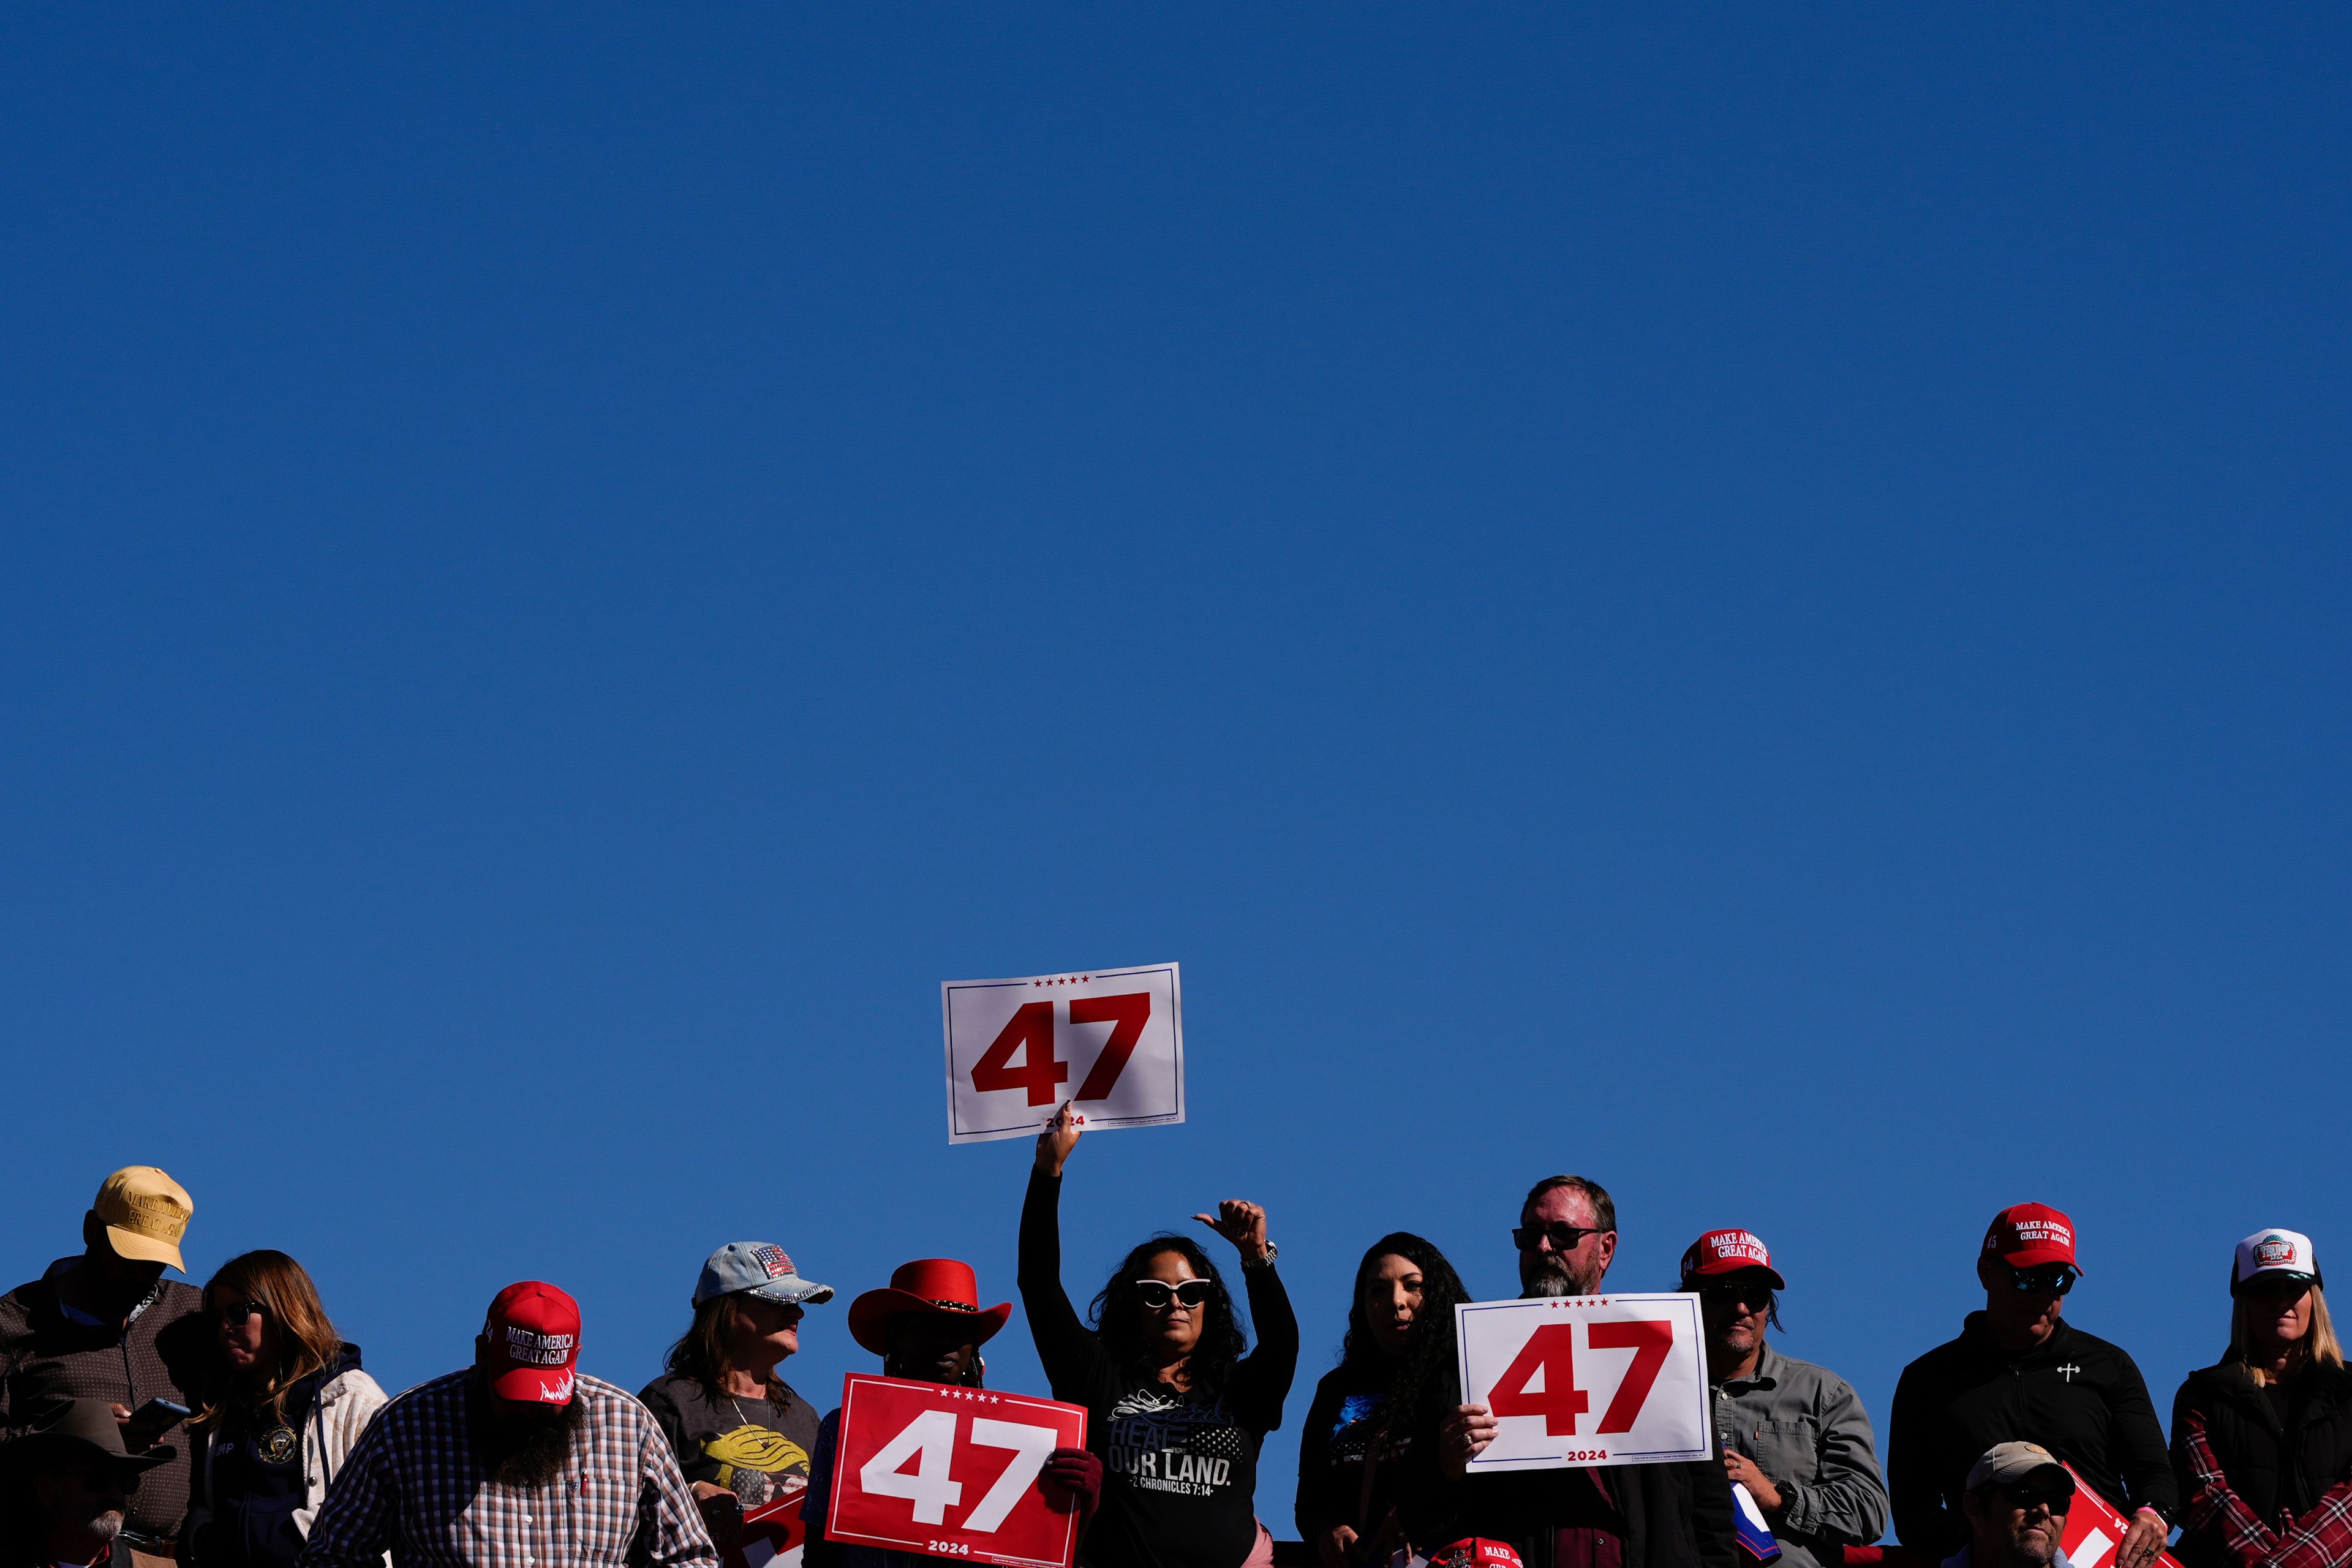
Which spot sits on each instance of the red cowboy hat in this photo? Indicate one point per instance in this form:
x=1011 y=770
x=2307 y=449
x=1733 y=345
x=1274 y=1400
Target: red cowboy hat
x=936 y=1286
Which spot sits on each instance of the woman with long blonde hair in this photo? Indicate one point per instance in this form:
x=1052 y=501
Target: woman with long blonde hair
x=2260 y=1439
x=286 y=1401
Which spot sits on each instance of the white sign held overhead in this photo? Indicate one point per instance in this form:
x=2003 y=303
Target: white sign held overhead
x=1587 y=1380
x=1110 y=1039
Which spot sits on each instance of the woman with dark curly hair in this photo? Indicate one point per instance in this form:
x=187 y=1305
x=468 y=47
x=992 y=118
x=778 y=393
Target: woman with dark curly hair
x=1174 y=1407
x=1396 y=1377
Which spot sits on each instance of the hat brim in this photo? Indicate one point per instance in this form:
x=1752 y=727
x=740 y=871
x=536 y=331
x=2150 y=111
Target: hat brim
x=2036 y=1256
x=140 y=1248
x=30 y=1451
x=1766 y=1270
x=791 y=1290
x=871 y=1315
x=2300 y=1276
x=2060 y=1479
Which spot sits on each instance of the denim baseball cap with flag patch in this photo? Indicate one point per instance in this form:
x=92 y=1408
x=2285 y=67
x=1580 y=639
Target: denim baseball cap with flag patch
x=758 y=1268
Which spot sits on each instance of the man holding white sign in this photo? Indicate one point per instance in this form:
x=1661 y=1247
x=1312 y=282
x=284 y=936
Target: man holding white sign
x=1571 y=1491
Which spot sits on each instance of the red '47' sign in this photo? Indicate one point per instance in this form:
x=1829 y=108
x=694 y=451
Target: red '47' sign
x=2094 y=1528
x=1111 y=1040
x=950 y=1472
x=1587 y=1380
x=771 y=1536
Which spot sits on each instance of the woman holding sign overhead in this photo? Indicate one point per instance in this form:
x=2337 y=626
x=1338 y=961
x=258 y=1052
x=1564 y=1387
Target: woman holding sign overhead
x=1174 y=1407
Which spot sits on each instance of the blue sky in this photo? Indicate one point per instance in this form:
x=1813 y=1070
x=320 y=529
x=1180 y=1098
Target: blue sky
x=1749 y=606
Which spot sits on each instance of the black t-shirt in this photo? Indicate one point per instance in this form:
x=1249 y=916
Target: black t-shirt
x=757 y=1449
x=1180 y=1480
x=1332 y=1449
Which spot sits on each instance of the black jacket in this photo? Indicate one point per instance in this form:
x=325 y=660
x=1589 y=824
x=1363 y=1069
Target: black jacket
x=2074 y=1393
x=1675 y=1516
x=2272 y=1467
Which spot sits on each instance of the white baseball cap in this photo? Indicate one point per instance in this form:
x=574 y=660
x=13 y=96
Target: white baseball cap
x=2287 y=1252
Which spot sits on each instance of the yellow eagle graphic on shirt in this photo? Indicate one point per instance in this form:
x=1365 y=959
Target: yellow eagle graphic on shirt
x=757 y=1449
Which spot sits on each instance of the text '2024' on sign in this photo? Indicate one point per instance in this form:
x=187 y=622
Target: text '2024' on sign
x=1587 y=1380
x=1110 y=1039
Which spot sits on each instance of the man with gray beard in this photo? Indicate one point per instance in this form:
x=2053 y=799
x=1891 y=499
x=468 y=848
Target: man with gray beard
x=66 y=1485
x=1621 y=1516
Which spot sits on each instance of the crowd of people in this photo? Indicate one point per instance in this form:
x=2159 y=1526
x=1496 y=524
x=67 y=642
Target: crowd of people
x=145 y=1420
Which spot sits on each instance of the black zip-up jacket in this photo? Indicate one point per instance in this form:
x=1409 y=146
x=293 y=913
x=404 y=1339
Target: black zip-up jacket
x=2074 y=1393
x=2275 y=1468
x=45 y=1355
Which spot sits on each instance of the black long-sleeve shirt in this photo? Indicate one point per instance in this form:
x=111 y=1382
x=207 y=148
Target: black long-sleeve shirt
x=1180 y=1477
x=2074 y=1393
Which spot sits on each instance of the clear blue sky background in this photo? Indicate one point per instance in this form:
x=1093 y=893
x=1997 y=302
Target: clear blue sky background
x=1753 y=606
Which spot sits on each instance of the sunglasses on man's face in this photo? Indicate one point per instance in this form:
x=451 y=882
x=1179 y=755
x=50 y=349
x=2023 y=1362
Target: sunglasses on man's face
x=1737 y=1293
x=1564 y=1237
x=2050 y=1280
x=2030 y=1498
x=1157 y=1293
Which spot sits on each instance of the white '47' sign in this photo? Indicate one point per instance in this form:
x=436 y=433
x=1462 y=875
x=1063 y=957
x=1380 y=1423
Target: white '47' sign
x=1587 y=1380
x=1110 y=1039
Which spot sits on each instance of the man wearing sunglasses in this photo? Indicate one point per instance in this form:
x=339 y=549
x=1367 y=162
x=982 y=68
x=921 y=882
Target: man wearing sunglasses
x=2020 y=1372
x=1619 y=1516
x=2016 y=1504
x=1793 y=1433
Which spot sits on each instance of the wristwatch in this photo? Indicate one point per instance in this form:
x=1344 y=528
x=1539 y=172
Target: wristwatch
x=1269 y=1255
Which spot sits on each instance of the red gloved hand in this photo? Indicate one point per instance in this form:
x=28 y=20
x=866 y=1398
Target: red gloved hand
x=1072 y=1481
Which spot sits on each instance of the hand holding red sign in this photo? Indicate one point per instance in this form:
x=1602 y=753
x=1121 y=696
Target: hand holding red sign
x=2094 y=1528
x=953 y=1472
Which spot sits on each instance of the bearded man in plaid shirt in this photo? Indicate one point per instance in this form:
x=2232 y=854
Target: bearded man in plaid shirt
x=515 y=1462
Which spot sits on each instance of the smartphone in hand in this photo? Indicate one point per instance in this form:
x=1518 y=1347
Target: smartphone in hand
x=150 y=1422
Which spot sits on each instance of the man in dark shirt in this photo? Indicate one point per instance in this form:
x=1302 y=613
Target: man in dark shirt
x=2020 y=1372
x=107 y=1326
x=1619 y=1516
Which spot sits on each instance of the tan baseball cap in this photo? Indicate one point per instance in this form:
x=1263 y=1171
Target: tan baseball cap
x=2006 y=1462
x=145 y=1214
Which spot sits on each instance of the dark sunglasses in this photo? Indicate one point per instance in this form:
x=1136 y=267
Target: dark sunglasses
x=234 y=1313
x=2030 y=1498
x=1737 y=1292
x=1157 y=1293
x=2050 y=1280
x=1565 y=1238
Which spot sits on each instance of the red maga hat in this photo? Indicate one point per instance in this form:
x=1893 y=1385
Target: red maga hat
x=934 y=1286
x=1475 y=1551
x=1722 y=1252
x=2026 y=1235
x=531 y=1341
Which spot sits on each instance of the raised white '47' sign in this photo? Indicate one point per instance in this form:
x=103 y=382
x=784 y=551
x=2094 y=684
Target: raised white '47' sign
x=1110 y=1039
x=1587 y=1380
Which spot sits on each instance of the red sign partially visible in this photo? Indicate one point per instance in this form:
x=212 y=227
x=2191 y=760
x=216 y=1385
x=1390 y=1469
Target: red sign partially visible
x=951 y=1472
x=771 y=1536
x=2093 y=1529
